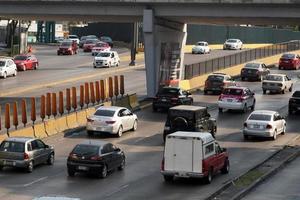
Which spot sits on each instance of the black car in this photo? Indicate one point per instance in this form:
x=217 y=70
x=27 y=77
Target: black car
x=294 y=102
x=95 y=157
x=254 y=71
x=189 y=118
x=171 y=96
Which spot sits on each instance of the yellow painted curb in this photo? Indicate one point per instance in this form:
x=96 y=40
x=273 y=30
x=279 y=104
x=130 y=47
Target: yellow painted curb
x=50 y=127
x=24 y=132
x=39 y=131
x=107 y=103
x=3 y=137
x=72 y=120
x=61 y=124
x=81 y=118
x=90 y=111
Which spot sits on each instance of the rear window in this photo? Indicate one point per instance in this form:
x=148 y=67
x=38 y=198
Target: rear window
x=66 y=44
x=296 y=94
x=273 y=78
x=215 y=78
x=103 y=54
x=288 y=56
x=73 y=37
x=232 y=41
x=181 y=113
x=86 y=149
x=260 y=117
x=252 y=65
x=105 y=113
x=201 y=44
x=231 y=91
x=10 y=146
x=2 y=63
x=91 y=41
x=169 y=91
x=20 y=58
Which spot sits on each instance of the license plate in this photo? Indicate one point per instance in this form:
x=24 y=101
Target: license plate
x=83 y=168
x=164 y=100
x=10 y=163
x=286 y=61
x=256 y=126
x=272 y=84
x=229 y=100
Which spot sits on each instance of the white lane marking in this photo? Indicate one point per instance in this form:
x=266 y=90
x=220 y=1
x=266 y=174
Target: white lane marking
x=118 y=190
x=30 y=183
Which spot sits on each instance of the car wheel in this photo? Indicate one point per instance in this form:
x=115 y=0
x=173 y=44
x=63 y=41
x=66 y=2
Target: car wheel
x=246 y=137
x=264 y=91
x=168 y=178
x=291 y=88
x=30 y=167
x=36 y=66
x=274 y=135
x=15 y=73
x=291 y=111
x=191 y=102
x=120 y=131
x=154 y=108
x=283 y=130
x=245 y=109
x=118 y=63
x=24 y=68
x=253 y=106
x=109 y=65
x=135 y=124
x=103 y=172
x=208 y=178
x=90 y=133
x=226 y=167
x=122 y=165
x=213 y=132
x=283 y=91
x=205 y=92
x=50 y=160
x=5 y=75
x=220 y=110
x=243 y=78
x=71 y=172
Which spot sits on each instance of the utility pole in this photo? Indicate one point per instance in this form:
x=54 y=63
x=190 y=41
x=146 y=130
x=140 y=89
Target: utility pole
x=134 y=44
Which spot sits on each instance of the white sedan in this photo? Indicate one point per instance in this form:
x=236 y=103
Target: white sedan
x=111 y=119
x=264 y=123
x=201 y=47
x=7 y=67
x=277 y=83
x=235 y=44
x=106 y=59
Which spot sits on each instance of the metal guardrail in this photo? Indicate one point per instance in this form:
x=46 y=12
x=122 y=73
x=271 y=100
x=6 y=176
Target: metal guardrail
x=216 y=64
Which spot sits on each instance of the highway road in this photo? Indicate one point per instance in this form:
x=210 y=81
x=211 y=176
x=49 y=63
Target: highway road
x=141 y=178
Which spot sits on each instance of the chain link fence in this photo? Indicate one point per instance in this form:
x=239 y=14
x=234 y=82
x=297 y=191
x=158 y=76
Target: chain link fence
x=220 y=63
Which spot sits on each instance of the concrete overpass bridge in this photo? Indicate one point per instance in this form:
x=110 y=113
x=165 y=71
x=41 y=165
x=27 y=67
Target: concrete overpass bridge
x=164 y=22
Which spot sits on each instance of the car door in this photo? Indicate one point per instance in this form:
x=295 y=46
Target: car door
x=220 y=158
x=250 y=96
x=288 y=82
x=277 y=122
x=265 y=70
x=113 y=59
x=36 y=152
x=10 y=68
x=123 y=114
x=106 y=153
x=117 y=156
x=43 y=150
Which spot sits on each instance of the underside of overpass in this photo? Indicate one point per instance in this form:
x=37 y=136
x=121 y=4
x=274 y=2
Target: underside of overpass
x=164 y=22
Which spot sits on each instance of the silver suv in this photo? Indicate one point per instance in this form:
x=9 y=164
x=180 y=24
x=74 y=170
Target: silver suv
x=25 y=152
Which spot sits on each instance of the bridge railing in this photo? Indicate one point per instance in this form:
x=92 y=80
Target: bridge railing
x=220 y=63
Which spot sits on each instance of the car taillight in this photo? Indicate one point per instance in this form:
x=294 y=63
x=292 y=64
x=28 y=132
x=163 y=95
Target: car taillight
x=245 y=124
x=243 y=70
x=174 y=99
x=90 y=120
x=96 y=157
x=206 y=83
x=73 y=156
x=162 y=167
x=26 y=156
x=70 y=49
x=110 y=122
x=269 y=126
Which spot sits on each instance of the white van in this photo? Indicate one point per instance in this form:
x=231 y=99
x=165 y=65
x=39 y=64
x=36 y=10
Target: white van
x=193 y=155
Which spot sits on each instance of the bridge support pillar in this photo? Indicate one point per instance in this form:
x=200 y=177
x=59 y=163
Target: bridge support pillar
x=164 y=51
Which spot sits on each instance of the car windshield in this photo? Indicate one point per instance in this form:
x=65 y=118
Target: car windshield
x=10 y=146
x=83 y=38
x=100 y=45
x=66 y=44
x=104 y=54
x=273 y=78
x=20 y=58
x=200 y=44
x=2 y=63
x=296 y=94
x=232 y=41
x=215 y=78
x=288 y=56
x=106 y=39
x=168 y=91
x=86 y=149
x=91 y=41
x=73 y=37
x=105 y=113
x=260 y=117
x=252 y=65
x=91 y=37
x=231 y=91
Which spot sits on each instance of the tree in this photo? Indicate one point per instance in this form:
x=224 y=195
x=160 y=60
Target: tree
x=10 y=32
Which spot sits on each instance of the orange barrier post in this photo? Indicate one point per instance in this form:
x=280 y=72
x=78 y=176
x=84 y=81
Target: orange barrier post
x=61 y=103
x=102 y=90
x=92 y=89
x=87 y=94
x=24 y=112
x=33 y=110
x=48 y=105
x=43 y=108
x=7 y=117
x=97 y=91
x=122 y=89
x=54 y=105
x=74 y=98
x=15 y=115
x=68 y=98
x=110 y=87
x=81 y=97
x=116 y=84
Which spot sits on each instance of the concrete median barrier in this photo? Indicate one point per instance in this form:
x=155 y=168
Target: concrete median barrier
x=90 y=111
x=133 y=102
x=72 y=121
x=51 y=127
x=3 y=137
x=61 y=124
x=40 y=131
x=81 y=118
x=122 y=102
x=24 y=132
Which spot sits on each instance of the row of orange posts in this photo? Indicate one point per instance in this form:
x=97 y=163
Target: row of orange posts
x=89 y=93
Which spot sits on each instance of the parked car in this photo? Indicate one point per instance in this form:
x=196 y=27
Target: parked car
x=168 y=97
x=106 y=59
x=83 y=39
x=189 y=118
x=236 y=98
x=59 y=39
x=25 y=152
x=193 y=155
x=113 y=120
x=67 y=48
x=107 y=40
x=294 y=102
x=277 y=83
x=216 y=82
x=289 y=61
x=201 y=48
x=7 y=68
x=26 y=61
x=100 y=47
x=254 y=71
x=89 y=44
x=95 y=157
x=234 y=44
x=264 y=123
x=74 y=38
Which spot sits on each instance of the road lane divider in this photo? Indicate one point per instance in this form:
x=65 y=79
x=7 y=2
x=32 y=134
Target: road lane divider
x=40 y=131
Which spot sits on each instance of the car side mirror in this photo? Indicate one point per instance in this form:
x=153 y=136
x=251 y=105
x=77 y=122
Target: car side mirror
x=46 y=147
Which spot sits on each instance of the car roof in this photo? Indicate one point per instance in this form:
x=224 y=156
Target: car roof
x=113 y=108
x=236 y=87
x=5 y=59
x=18 y=139
x=202 y=41
x=276 y=75
x=218 y=74
x=204 y=136
x=187 y=107
x=268 y=112
x=94 y=142
x=254 y=62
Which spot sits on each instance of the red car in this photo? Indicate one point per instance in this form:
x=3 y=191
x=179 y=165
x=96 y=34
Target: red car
x=89 y=44
x=67 y=48
x=289 y=61
x=26 y=61
x=100 y=46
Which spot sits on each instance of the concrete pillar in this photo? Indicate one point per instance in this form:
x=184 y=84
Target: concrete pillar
x=164 y=43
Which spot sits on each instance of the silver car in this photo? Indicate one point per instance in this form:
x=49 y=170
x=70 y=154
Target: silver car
x=25 y=152
x=111 y=119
